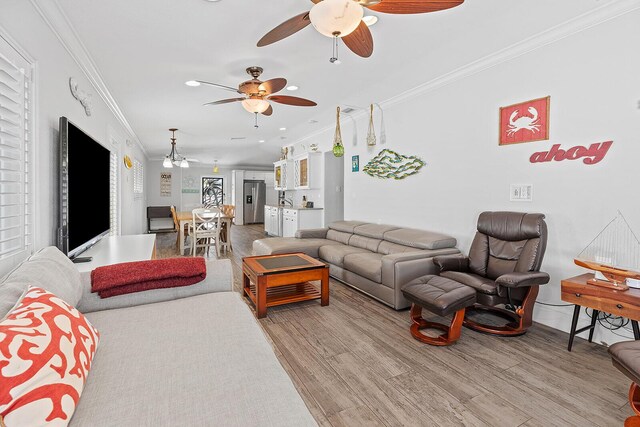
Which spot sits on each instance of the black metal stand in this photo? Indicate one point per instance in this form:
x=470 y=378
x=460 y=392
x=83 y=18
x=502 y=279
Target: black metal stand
x=574 y=323
x=592 y=326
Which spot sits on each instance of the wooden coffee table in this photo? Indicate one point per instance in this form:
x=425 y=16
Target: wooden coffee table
x=273 y=280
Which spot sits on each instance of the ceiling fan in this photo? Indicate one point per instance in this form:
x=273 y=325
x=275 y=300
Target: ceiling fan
x=259 y=94
x=343 y=19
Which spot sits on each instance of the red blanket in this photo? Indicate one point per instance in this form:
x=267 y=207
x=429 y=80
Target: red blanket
x=128 y=277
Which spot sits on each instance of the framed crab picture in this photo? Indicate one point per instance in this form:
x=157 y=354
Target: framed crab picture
x=525 y=122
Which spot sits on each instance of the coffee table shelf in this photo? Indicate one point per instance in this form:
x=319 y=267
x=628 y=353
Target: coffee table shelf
x=287 y=294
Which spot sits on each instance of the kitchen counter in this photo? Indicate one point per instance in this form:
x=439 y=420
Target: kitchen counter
x=295 y=208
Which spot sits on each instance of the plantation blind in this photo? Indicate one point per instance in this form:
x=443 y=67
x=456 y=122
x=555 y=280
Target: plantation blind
x=16 y=203
x=138 y=178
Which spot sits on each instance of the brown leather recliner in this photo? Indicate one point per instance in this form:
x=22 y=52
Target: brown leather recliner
x=504 y=267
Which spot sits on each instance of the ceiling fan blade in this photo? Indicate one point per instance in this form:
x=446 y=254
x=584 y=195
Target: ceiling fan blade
x=413 y=6
x=292 y=100
x=360 y=41
x=268 y=111
x=316 y=1
x=224 y=101
x=232 y=89
x=273 y=85
x=285 y=29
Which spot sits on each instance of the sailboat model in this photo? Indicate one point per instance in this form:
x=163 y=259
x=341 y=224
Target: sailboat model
x=614 y=255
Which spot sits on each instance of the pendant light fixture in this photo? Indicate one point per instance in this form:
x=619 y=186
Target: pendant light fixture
x=216 y=169
x=174 y=158
x=338 y=148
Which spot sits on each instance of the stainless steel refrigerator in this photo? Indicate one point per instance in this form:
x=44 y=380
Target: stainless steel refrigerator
x=254 y=199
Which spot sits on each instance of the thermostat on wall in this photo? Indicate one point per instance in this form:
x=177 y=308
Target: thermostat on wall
x=521 y=193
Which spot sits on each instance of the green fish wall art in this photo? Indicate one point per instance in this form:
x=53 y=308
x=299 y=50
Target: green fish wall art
x=389 y=164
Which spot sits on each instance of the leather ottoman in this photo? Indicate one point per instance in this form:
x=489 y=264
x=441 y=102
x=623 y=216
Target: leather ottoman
x=440 y=296
x=626 y=357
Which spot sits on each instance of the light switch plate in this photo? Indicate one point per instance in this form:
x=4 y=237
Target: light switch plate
x=521 y=193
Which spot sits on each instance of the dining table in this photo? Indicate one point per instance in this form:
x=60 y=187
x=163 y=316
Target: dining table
x=186 y=217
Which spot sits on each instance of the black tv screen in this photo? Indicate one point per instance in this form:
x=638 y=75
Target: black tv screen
x=84 y=189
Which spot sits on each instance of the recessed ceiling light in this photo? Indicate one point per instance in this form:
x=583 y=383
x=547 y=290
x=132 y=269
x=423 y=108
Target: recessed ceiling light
x=292 y=87
x=370 y=20
x=283 y=128
x=261 y=141
x=212 y=1
x=192 y=83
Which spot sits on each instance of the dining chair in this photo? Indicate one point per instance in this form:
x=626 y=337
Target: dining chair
x=229 y=211
x=205 y=229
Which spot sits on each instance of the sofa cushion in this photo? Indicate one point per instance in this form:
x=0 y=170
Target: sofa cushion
x=387 y=248
x=366 y=264
x=49 y=269
x=283 y=245
x=339 y=236
x=47 y=350
x=420 y=239
x=481 y=284
x=199 y=361
x=375 y=231
x=345 y=226
x=334 y=254
x=365 y=242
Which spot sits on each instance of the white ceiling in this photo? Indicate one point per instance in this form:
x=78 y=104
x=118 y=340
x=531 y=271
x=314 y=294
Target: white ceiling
x=147 y=49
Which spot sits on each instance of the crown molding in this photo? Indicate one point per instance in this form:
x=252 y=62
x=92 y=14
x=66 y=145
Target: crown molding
x=57 y=20
x=592 y=18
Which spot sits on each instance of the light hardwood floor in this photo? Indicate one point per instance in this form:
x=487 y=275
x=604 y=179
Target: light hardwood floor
x=355 y=364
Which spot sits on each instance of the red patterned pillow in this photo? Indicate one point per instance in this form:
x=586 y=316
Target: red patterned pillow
x=46 y=349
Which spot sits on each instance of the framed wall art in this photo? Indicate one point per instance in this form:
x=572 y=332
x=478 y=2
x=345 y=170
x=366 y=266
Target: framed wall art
x=355 y=163
x=525 y=122
x=165 y=184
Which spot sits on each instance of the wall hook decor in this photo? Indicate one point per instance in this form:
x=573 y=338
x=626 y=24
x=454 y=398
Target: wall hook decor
x=83 y=97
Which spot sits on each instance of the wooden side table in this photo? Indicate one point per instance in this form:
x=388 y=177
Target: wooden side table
x=577 y=291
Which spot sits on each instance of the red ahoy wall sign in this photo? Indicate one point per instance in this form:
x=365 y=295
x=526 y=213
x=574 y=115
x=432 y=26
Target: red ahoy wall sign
x=589 y=156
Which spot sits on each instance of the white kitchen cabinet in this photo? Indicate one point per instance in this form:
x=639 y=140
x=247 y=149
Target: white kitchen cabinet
x=307 y=170
x=300 y=219
x=283 y=175
x=267 y=221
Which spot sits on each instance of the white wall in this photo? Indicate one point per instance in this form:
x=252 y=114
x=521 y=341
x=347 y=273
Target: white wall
x=54 y=66
x=185 y=201
x=592 y=78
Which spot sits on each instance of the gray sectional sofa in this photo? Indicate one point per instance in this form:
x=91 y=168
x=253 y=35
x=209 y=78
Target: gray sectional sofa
x=377 y=259
x=190 y=356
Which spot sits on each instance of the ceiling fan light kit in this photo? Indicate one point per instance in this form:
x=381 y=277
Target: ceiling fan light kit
x=336 y=18
x=255 y=105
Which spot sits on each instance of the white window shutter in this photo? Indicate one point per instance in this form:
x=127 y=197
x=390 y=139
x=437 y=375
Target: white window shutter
x=16 y=199
x=138 y=178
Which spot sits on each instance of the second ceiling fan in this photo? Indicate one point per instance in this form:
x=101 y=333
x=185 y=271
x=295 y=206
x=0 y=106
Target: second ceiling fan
x=343 y=19
x=257 y=94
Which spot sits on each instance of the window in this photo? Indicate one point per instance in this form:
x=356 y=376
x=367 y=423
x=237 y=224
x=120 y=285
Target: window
x=212 y=191
x=113 y=190
x=16 y=176
x=138 y=178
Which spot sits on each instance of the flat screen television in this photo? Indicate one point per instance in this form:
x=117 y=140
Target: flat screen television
x=84 y=166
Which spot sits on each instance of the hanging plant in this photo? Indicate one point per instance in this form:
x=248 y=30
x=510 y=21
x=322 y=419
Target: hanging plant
x=371 y=134
x=338 y=148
